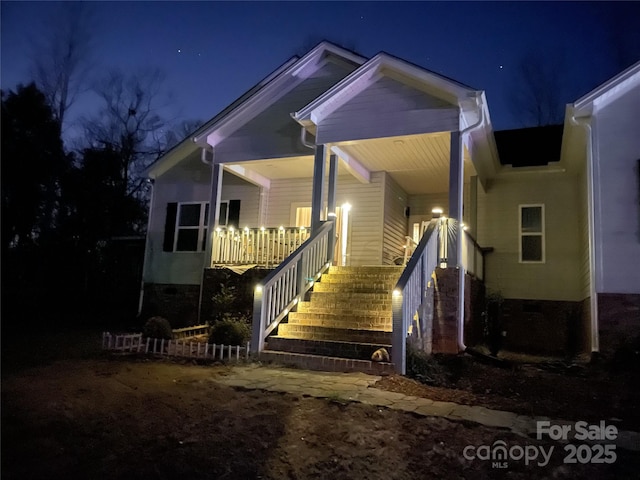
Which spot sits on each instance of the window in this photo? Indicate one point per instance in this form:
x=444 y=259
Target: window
x=191 y=227
x=531 y=233
x=185 y=228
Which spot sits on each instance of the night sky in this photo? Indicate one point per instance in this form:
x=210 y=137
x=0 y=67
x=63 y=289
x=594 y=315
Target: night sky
x=212 y=52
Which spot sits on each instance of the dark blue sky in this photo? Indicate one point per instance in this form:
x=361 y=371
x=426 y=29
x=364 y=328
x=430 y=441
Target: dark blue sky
x=212 y=52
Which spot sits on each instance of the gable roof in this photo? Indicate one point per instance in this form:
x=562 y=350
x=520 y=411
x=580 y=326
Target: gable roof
x=252 y=102
x=441 y=86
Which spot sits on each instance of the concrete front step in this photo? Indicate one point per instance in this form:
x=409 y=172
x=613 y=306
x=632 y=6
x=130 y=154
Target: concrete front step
x=383 y=321
x=327 y=364
x=307 y=332
x=329 y=348
x=347 y=309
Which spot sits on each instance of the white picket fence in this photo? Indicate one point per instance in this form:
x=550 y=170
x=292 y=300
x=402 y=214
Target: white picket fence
x=136 y=343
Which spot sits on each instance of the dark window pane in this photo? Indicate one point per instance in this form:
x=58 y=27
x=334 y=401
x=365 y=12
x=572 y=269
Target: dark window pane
x=223 y=214
x=206 y=214
x=190 y=215
x=531 y=219
x=532 y=248
x=187 y=240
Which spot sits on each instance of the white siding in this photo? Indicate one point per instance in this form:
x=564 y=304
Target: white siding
x=385 y=109
x=395 y=221
x=559 y=278
x=366 y=217
x=273 y=133
x=618 y=227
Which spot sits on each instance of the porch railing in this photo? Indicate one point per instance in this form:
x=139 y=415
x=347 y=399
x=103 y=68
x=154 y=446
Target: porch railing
x=472 y=256
x=259 y=246
x=410 y=292
x=286 y=285
x=472 y=253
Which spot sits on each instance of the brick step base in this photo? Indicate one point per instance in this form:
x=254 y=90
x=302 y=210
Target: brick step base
x=308 y=332
x=326 y=364
x=364 y=287
x=332 y=320
x=330 y=348
x=345 y=299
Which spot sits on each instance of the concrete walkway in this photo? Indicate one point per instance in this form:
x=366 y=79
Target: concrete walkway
x=356 y=387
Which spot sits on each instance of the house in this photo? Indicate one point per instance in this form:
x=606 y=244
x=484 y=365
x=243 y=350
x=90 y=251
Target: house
x=372 y=183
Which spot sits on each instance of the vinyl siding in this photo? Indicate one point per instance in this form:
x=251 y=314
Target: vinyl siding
x=618 y=227
x=559 y=278
x=273 y=133
x=395 y=221
x=366 y=217
x=187 y=182
x=385 y=109
x=583 y=225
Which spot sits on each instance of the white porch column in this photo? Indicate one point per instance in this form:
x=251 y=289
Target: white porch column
x=317 y=195
x=456 y=198
x=473 y=207
x=214 y=211
x=333 y=180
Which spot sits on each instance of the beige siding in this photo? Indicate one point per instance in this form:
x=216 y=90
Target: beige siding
x=395 y=221
x=366 y=217
x=559 y=278
x=583 y=225
x=403 y=111
x=273 y=133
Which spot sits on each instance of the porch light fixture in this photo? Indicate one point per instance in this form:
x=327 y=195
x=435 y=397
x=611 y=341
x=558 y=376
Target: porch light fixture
x=246 y=229
x=396 y=293
x=262 y=229
x=346 y=207
x=258 y=288
x=281 y=228
x=231 y=229
x=218 y=229
x=436 y=212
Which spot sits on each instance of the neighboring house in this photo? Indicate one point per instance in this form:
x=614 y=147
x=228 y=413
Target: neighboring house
x=335 y=159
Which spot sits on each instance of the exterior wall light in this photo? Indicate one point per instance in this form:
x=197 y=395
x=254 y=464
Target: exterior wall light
x=436 y=212
x=258 y=288
x=396 y=293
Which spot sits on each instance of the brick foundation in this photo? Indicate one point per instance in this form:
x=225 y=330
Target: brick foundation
x=445 y=327
x=618 y=320
x=176 y=303
x=542 y=326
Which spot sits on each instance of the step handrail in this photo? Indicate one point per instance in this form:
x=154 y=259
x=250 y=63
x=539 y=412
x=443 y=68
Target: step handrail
x=285 y=286
x=410 y=291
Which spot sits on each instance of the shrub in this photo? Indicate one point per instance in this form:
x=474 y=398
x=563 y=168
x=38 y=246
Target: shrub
x=230 y=331
x=158 y=327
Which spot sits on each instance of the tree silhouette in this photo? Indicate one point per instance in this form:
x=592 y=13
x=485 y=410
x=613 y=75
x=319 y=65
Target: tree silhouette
x=62 y=56
x=33 y=163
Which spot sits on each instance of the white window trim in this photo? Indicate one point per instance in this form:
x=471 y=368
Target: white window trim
x=201 y=227
x=542 y=233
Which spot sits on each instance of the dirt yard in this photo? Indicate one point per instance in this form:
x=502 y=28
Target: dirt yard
x=105 y=418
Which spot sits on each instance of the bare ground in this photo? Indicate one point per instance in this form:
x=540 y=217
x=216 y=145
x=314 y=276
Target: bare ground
x=154 y=419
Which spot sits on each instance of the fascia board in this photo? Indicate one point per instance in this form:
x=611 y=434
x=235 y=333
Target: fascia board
x=608 y=91
x=367 y=74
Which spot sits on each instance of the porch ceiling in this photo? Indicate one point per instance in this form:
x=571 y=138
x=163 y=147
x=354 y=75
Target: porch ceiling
x=419 y=163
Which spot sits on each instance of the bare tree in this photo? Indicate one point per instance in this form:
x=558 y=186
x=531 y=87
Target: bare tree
x=62 y=56
x=538 y=95
x=130 y=122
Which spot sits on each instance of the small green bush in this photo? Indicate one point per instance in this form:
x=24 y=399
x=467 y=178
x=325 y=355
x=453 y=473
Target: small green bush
x=158 y=327
x=230 y=331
